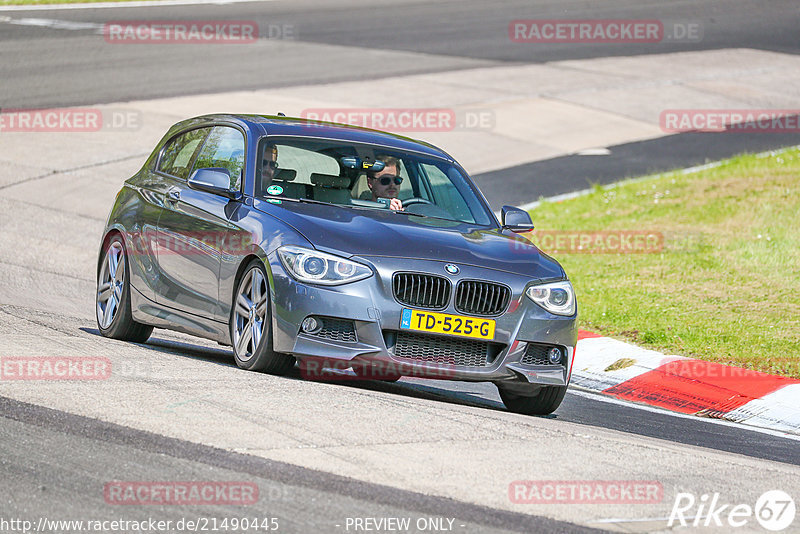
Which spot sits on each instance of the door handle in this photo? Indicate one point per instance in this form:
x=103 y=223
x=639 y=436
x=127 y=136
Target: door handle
x=173 y=195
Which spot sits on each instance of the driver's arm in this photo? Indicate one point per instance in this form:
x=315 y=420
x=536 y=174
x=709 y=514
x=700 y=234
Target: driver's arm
x=396 y=204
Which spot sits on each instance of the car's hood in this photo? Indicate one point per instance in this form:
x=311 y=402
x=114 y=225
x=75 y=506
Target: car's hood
x=367 y=232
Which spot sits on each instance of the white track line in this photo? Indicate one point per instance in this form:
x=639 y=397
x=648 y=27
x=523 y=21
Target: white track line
x=53 y=23
x=107 y=5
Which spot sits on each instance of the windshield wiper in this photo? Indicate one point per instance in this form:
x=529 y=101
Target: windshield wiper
x=403 y=212
x=292 y=199
x=312 y=201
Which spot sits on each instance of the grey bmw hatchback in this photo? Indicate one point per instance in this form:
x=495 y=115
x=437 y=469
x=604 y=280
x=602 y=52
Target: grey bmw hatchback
x=348 y=251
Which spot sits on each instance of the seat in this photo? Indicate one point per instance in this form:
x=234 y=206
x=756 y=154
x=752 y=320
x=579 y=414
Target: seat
x=286 y=175
x=360 y=189
x=331 y=188
x=285 y=179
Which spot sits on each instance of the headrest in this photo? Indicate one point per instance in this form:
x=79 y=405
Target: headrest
x=330 y=180
x=285 y=175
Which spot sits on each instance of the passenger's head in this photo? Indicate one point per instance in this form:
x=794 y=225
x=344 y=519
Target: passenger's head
x=386 y=182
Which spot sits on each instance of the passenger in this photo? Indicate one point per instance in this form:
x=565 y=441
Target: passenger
x=386 y=182
x=269 y=166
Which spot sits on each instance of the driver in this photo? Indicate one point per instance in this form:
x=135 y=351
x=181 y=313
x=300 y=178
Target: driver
x=386 y=182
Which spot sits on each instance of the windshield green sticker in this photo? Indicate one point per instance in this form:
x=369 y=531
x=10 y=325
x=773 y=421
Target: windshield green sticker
x=274 y=190
x=274 y=200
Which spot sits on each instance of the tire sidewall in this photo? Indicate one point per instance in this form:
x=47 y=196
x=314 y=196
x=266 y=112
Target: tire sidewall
x=264 y=349
x=545 y=402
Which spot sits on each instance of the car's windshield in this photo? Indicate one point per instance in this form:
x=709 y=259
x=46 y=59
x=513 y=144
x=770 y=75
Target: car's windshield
x=365 y=176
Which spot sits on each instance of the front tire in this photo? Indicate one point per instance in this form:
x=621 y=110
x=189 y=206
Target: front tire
x=251 y=325
x=113 y=296
x=545 y=402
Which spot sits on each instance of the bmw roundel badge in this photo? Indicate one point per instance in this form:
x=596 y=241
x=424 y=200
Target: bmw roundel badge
x=452 y=269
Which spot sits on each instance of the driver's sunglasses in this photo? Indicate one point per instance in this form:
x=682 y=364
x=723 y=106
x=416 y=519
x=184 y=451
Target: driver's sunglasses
x=268 y=163
x=386 y=180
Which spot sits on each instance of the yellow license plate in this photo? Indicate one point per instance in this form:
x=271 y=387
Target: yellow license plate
x=442 y=323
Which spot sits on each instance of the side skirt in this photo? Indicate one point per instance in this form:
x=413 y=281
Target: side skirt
x=150 y=312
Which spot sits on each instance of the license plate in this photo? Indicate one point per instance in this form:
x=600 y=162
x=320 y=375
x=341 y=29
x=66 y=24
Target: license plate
x=442 y=323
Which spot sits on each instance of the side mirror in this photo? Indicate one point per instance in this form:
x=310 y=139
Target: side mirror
x=515 y=219
x=214 y=180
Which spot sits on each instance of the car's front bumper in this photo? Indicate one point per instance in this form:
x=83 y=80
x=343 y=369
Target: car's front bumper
x=375 y=314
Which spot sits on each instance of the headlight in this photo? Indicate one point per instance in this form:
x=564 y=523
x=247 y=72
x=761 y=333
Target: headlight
x=558 y=298
x=314 y=267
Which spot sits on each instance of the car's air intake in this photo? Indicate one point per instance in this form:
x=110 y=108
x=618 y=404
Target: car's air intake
x=445 y=350
x=536 y=354
x=421 y=290
x=337 y=330
x=482 y=298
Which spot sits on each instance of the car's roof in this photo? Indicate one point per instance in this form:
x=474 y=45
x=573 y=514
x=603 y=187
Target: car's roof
x=293 y=126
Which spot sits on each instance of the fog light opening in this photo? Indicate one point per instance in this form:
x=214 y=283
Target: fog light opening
x=554 y=355
x=311 y=325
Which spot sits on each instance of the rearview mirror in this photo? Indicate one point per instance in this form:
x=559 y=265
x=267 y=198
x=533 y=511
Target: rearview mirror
x=515 y=219
x=353 y=162
x=214 y=180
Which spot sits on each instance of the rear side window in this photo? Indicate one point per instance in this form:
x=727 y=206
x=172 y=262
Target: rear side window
x=305 y=162
x=224 y=149
x=176 y=158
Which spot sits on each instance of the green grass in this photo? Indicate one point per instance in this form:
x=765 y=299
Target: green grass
x=726 y=285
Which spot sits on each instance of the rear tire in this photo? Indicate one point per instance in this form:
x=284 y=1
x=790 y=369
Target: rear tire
x=113 y=296
x=251 y=324
x=543 y=403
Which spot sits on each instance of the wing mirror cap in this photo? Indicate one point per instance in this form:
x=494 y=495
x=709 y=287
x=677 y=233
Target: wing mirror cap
x=515 y=219
x=214 y=180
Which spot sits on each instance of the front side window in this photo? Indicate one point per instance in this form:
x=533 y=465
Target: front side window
x=224 y=149
x=176 y=157
x=444 y=191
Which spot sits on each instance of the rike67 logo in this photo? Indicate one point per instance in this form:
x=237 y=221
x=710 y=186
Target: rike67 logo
x=774 y=510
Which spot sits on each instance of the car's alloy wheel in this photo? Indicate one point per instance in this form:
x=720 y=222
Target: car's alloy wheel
x=251 y=326
x=250 y=314
x=545 y=402
x=110 y=284
x=112 y=298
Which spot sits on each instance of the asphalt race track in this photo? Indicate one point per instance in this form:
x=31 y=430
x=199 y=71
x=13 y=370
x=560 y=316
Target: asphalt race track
x=323 y=454
x=433 y=36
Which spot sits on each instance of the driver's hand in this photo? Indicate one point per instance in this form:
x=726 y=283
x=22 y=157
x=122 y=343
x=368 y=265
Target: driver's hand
x=396 y=204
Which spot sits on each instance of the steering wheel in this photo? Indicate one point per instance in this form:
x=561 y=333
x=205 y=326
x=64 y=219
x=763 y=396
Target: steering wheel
x=415 y=200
